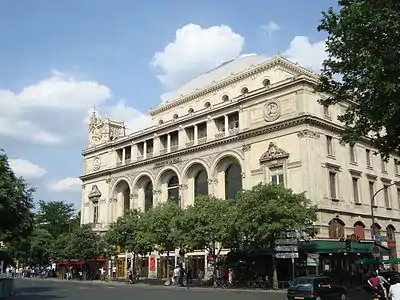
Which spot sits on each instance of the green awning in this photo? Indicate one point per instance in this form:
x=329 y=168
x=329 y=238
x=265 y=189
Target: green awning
x=391 y=261
x=326 y=246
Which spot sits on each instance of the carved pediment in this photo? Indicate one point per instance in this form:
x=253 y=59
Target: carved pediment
x=273 y=153
x=94 y=194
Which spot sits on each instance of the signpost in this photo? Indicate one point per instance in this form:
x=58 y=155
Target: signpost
x=287 y=248
x=380 y=238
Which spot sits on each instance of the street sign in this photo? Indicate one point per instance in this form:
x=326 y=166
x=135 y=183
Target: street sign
x=286 y=242
x=286 y=248
x=313 y=255
x=287 y=255
x=376 y=252
x=380 y=238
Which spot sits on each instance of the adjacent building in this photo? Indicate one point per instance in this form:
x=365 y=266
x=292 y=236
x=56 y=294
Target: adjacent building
x=250 y=120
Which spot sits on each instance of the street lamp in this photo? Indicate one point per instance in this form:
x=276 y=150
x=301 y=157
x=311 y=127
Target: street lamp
x=372 y=203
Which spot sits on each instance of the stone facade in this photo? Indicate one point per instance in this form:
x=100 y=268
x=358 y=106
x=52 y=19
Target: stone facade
x=260 y=123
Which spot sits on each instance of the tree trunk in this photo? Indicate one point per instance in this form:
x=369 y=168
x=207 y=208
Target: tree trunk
x=275 y=284
x=168 y=266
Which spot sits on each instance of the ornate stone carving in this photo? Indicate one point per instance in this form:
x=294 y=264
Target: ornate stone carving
x=246 y=147
x=272 y=110
x=183 y=186
x=156 y=192
x=212 y=180
x=96 y=163
x=94 y=194
x=273 y=153
x=167 y=162
x=108 y=180
x=103 y=130
x=308 y=133
x=133 y=196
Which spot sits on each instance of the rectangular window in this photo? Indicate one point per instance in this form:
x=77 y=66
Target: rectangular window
x=326 y=110
x=332 y=185
x=386 y=196
x=352 y=154
x=329 y=145
x=372 y=192
x=398 y=197
x=95 y=214
x=383 y=164
x=355 y=190
x=277 y=175
x=368 y=156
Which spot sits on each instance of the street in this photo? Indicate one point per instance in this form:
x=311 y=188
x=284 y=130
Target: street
x=35 y=289
x=27 y=289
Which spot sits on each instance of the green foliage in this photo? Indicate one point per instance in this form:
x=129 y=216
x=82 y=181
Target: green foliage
x=129 y=233
x=84 y=244
x=16 y=203
x=266 y=211
x=57 y=217
x=162 y=226
x=363 y=46
x=210 y=223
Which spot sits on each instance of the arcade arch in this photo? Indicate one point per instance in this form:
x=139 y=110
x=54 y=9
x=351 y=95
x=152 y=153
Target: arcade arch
x=229 y=177
x=197 y=182
x=122 y=192
x=169 y=186
x=145 y=195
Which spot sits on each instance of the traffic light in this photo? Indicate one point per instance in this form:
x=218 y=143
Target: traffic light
x=348 y=245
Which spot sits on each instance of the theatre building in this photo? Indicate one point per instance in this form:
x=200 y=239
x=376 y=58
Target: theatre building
x=251 y=120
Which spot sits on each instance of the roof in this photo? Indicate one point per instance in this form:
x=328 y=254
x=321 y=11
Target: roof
x=219 y=73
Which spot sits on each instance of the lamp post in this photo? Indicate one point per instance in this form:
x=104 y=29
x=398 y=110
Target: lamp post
x=372 y=203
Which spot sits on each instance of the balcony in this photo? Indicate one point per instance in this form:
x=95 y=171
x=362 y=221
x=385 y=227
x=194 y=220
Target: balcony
x=202 y=140
x=189 y=144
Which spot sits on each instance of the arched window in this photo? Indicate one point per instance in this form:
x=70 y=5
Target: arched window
x=336 y=229
x=359 y=230
x=390 y=232
x=148 y=196
x=244 y=91
x=225 y=98
x=175 y=116
x=173 y=189
x=207 y=105
x=233 y=181
x=266 y=82
x=375 y=229
x=190 y=111
x=201 y=183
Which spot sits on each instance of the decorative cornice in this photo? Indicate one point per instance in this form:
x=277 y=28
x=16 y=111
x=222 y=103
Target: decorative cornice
x=277 y=61
x=308 y=133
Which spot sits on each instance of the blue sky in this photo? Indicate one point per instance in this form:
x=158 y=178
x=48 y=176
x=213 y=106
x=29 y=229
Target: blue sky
x=59 y=58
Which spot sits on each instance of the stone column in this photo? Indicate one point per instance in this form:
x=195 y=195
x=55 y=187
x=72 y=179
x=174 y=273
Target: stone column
x=156 y=144
x=134 y=151
x=210 y=128
x=196 y=135
x=226 y=125
x=182 y=138
x=123 y=155
x=144 y=149
x=168 y=143
x=246 y=172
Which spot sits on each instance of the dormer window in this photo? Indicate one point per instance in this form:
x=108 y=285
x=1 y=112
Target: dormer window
x=244 y=91
x=191 y=111
x=225 y=98
x=160 y=122
x=207 y=105
x=266 y=82
x=175 y=116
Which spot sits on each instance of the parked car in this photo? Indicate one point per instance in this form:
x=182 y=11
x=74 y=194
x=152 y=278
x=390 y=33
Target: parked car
x=316 y=288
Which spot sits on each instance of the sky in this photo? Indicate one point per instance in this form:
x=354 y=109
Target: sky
x=59 y=59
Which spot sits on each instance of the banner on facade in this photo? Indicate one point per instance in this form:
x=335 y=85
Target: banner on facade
x=152 y=264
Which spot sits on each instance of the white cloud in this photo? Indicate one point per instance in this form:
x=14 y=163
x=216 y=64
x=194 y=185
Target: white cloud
x=51 y=110
x=68 y=184
x=26 y=169
x=307 y=54
x=196 y=50
x=270 y=28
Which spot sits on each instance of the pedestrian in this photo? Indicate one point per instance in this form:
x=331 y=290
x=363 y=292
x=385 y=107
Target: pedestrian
x=189 y=275
x=114 y=272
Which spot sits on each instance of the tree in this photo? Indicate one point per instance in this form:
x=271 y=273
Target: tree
x=162 y=229
x=363 y=46
x=265 y=212
x=16 y=203
x=85 y=244
x=128 y=233
x=57 y=217
x=211 y=225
